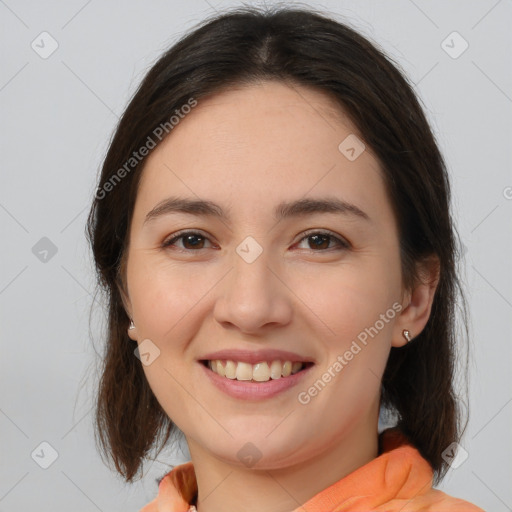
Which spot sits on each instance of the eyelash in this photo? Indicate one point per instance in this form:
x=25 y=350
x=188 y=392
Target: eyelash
x=341 y=243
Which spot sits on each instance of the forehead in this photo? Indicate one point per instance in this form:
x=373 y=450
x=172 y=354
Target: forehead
x=262 y=143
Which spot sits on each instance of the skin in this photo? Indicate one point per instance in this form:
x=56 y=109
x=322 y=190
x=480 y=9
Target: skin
x=249 y=149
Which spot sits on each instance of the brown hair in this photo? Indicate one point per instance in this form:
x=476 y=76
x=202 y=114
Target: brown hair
x=305 y=48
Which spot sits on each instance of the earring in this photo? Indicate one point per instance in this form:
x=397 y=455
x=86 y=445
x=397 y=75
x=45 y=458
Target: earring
x=132 y=325
x=407 y=335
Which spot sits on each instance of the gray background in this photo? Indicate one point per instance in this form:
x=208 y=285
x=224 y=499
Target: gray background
x=58 y=114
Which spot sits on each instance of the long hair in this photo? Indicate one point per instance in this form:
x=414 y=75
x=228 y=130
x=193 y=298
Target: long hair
x=299 y=47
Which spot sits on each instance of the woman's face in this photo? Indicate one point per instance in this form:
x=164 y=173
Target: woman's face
x=323 y=286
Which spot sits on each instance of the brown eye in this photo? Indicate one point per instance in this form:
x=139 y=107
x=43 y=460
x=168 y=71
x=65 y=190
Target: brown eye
x=193 y=241
x=320 y=241
x=190 y=241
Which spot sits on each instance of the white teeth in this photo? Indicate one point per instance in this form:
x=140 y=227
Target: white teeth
x=276 y=369
x=244 y=371
x=260 y=372
x=230 y=369
x=220 y=369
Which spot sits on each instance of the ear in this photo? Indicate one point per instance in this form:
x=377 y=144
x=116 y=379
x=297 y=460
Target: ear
x=132 y=333
x=417 y=303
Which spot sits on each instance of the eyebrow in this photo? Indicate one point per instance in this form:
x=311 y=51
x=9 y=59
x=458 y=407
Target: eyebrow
x=284 y=210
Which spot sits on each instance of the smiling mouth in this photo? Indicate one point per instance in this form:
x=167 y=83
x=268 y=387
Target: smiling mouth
x=259 y=372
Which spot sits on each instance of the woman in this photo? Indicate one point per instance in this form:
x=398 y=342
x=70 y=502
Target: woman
x=272 y=229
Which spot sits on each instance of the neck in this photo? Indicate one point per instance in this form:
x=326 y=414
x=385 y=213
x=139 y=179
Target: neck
x=222 y=486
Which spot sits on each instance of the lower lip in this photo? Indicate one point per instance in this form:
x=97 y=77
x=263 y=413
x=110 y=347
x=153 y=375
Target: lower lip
x=247 y=390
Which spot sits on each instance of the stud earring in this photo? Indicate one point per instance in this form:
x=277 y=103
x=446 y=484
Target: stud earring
x=407 y=335
x=132 y=325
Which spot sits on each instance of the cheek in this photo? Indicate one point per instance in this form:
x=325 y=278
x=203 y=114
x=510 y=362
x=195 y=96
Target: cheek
x=164 y=294
x=351 y=297
x=355 y=305
x=168 y=384
x=165 y=300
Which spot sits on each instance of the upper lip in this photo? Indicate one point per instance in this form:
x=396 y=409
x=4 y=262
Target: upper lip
x=255 y=356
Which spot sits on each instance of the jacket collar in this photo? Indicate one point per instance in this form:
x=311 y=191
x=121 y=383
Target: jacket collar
x=399 y=476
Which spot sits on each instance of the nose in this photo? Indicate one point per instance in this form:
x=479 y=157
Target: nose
x=253 y=297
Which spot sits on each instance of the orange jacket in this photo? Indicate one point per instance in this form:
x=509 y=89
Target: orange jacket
x=399 y=479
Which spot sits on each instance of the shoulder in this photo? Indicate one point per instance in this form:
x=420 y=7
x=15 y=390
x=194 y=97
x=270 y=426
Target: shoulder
x=176 y=491
x=433 y=500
